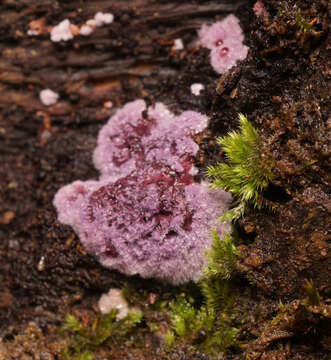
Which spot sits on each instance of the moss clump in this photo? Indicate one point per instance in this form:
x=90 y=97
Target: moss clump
x=247 y=171
x=209 y=326
x=302 y=23
x=84 y=340
x=313 y=297
x=221 y=257
x=187 y=321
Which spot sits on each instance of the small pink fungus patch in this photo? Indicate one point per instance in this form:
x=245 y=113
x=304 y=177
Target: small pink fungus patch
x=91 y=22
x=62 y=31
x=225 y=40
x=65 y=31
x=86 y=30
x=33 y=32
x=108 y=104
x=114 y=300
x=100 y=19
x=48 y=97
x=146 y=214
x=178 y=45
x=196 y=89
x=103 y=18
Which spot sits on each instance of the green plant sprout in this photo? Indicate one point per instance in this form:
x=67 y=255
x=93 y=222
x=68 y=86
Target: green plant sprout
x=221 y=257
x=84 y=340
x=247 y=171
x=303 y=24
x=313 y=297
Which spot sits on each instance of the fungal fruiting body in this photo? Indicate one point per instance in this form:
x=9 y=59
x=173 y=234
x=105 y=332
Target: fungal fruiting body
x=146 y=215
x=196 y=89
x=86 y=30
x=135 y=137
x=103 y=18
x=48 y=97
x=178 y=45
x=62 y=31
x=225 y=40
x=65 y=31
x=114 y=300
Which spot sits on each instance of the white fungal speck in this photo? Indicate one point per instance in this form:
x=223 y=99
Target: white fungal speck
x=196 y=89
x=108 y=104
x=91 y=22
x=114 y=300
x=178 y=45
x=48 y=97
x=86 y=30
x=62 y=31
x=32 y=32
x=41 y=264
x=103 y=18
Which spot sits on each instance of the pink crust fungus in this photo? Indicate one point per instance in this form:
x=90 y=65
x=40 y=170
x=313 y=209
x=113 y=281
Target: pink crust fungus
x=103 y=18
x=62 y=31
x=178 y=45
x=86 y=30
x=65 y=31
x=146 y=214
x=100 y=19
x=114 y=300
x=48 y=97
x=196 y=89
x=225 y=40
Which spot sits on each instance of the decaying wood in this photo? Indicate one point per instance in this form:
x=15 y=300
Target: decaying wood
x=43 y=148
x=33 y=63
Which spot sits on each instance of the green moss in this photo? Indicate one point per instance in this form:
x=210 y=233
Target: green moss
x=313 y=297
x=302 y=23
x=247 y=171
x=85 y=355
x=83 y=340
x=221 y=257
x=187 y=320
x=134 y=296
x=208 y=326
x=203 y=327
x=169 y=338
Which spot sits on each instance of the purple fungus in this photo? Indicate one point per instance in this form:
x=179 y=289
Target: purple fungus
x=146 y=215
x=62 y=31
x=225 y=40
x=225 y=57
x=129 y=140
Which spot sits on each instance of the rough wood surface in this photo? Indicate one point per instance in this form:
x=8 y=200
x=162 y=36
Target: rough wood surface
x=282 y=87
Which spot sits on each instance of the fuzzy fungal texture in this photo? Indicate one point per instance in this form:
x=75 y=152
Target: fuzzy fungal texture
x=48 y=97
x=146 y=214
x=62 y=32
x=225 y=40
x=197 y=88
x=103 y=18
